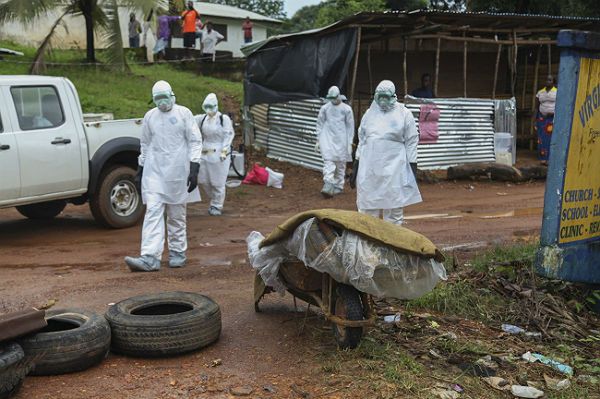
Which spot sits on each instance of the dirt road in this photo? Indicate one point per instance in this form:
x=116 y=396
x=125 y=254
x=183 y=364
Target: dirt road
x=76 y=263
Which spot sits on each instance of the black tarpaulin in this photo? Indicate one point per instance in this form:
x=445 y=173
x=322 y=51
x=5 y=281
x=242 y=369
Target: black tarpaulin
x=298 y=69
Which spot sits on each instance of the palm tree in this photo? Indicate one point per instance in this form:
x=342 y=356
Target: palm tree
x=99 y=15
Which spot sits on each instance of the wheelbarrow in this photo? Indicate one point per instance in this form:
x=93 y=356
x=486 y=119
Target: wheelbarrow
x=350 y=310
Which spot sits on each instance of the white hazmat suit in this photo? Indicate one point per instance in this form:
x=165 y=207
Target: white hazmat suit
x=170 y=146
x=387 y=146
x=217 y=135
x=335 y=133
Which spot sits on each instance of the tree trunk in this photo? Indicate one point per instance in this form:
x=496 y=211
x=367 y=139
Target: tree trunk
x=87 y=8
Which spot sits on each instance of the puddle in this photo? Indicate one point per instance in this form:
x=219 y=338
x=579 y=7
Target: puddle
x=470 y=214
x=469 y=245
x=514 y=213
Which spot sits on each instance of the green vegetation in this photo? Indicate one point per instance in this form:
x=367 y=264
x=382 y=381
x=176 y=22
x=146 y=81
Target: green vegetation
x=443 y=334
x=125 y=94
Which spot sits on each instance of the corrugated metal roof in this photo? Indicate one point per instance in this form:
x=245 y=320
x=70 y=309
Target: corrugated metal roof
x=223 y=11
x=410 y=20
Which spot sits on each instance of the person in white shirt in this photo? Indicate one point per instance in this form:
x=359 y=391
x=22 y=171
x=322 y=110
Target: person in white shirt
x=210 y=39
x=545 y=100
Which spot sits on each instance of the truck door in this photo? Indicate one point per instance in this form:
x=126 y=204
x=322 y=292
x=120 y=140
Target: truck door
x=48 y=141
x=10 y=181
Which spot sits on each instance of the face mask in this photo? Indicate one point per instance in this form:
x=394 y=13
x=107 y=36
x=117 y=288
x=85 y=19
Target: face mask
x=335 y=100
x=210 y=110
x=164 y=102
x=385 y=101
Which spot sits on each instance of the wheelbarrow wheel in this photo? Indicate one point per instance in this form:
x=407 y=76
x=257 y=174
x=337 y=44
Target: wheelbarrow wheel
x=348 y=305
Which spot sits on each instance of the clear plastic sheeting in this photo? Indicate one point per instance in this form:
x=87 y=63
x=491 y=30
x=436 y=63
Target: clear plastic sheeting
x=370 y=267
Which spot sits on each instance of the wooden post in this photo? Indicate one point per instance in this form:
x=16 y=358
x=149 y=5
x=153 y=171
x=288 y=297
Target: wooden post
x=437 y=67
x=355 y=64
x=513 y=82
x=464 y=66
x=496 y=70
x=404 y=67
x=549 y=59
x=525 y=79
x=369 y=68
x=534 y=92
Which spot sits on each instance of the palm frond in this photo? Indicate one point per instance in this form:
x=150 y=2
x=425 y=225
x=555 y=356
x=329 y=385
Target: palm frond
x=145 y=5
x=112 y=35
x=27 y=11
x=38 y=66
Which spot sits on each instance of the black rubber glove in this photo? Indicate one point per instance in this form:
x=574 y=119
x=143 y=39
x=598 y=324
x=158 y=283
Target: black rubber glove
x=354 y=174
x=193 y=177
x=413 y=166
x=137 y=180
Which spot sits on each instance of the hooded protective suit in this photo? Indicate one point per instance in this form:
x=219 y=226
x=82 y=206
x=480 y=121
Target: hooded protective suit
x=335 y=133
x=170 y=142
x=388 y=141
x=217 y=134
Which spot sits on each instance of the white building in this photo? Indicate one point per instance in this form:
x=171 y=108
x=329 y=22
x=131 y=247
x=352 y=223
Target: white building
x=227 y=21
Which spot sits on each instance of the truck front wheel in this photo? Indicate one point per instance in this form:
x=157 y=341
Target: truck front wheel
x=43 y=210
x=116 y=203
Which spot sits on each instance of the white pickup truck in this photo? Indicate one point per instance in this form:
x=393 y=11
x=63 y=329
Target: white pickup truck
x=49 y=157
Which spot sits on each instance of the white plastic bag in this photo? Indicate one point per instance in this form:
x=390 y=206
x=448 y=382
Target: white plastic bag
x=275 y=178
x=366 y=265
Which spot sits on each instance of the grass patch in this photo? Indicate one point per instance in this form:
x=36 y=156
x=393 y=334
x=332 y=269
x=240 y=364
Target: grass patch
x=505 y=255
x=461 y=298
x=126 y=95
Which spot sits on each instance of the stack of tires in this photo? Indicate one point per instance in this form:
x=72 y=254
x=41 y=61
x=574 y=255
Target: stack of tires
x=155 y=325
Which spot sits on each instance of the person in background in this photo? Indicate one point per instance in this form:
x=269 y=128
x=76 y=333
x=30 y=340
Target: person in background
x=545 y=101
x=210 y=39
x=163 y=34
x=148 y=36
x=217 y=135
x=425 y=90
x=169 y=162
x=335 y=133
x=387 y=153
x=199 y=26
x=189 y=17
x=247 y=28
x=135 y=28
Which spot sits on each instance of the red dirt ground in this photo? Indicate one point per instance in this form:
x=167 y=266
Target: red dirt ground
x=75 y=262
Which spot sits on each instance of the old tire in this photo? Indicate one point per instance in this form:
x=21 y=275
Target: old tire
x=116 y=203
x=348 y=305
x=73 y=340
x=13 y=369
x=43 y=210
x=164 y=324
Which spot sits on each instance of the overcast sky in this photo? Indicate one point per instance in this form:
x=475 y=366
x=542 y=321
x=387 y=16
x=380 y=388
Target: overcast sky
x=291 y=6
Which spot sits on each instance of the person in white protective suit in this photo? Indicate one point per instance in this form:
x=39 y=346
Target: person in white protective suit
x=170 y=150
x=335 y=133
x=217 y=135
x=387 y=154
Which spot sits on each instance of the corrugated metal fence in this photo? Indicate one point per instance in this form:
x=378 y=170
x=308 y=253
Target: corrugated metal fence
x=286 y=131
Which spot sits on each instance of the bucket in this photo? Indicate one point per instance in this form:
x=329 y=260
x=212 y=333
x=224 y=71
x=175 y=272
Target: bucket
x=503 y=148
x=237 y=165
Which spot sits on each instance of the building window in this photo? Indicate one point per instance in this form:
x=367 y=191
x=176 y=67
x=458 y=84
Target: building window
x=222 y=29
x=38 y=107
